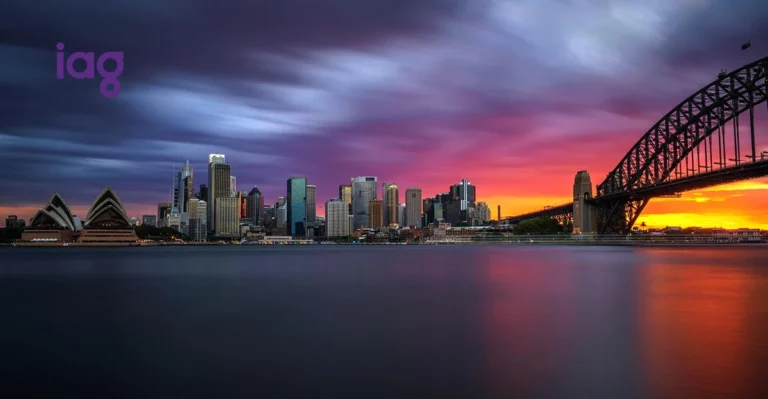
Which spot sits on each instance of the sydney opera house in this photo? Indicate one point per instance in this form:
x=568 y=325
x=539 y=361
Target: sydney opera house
x=106 y=222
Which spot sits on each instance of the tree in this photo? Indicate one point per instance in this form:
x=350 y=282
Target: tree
x=538 y=226
x=151 y=232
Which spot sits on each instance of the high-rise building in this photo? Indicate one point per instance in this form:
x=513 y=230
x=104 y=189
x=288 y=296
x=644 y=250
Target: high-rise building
x=184 y=188
x=391 y=198
x=202 y=194
x=337 y=218
x=483 y=212
x=233 y=185
x=363 y=192
x=311 y=207
x=219 y=185
x=198 y=229
x=255 y=205
x=413 y=207
x=296 y=202
x=280 y=202
x=376 y=214
x=463 y=195
x=282 y=216
x=345 y=193
x=149 y=220
x=245 y=212
x=163 y=210
x=401 y=211
x=227 y=217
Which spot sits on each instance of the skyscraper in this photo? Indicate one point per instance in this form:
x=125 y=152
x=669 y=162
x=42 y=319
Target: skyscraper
x=296 y=202
x=464 y=193
x=363 y=192
x=376 y=214
x=163 y=210
x=401 y=211
x=196 y=211
x=184 y=188
x=390 y=197
x=202 y=194
x=255 y=203
x=345 y=193
x=483 y=212
x=413 y=207
x=227 y=217
x=337 y=218
x=233 y=185
x=219 y=184
x=311 y=210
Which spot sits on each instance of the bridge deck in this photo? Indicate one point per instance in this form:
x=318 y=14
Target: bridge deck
x=745 y=171
x=555 y=211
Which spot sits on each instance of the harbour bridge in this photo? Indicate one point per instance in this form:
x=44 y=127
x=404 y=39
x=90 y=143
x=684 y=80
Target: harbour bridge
x=690 y=148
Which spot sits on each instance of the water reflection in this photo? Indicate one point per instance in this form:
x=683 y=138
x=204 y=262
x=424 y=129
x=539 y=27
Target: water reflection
x=704 y=323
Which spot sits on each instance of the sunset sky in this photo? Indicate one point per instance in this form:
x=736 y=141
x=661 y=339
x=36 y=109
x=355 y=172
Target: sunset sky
x=516 y=96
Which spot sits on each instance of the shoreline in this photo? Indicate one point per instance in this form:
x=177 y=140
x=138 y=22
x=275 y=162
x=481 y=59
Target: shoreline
x=601 y=243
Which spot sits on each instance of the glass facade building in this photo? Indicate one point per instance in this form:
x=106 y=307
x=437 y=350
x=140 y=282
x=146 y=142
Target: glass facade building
x=296 y=204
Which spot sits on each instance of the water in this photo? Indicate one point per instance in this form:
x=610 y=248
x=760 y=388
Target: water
x=385 y=322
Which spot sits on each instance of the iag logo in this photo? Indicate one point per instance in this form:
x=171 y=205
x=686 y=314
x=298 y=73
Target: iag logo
x=109 y=78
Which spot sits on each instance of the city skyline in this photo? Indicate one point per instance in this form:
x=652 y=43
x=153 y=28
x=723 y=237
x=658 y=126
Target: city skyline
x=427 y=94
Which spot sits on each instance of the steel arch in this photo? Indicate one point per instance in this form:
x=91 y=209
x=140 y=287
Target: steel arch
x=659 y=152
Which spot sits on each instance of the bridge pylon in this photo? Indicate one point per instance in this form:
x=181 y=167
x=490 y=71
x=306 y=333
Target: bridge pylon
x=585 y=214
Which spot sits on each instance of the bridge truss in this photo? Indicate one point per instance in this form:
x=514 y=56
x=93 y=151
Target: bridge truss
x=689 y=148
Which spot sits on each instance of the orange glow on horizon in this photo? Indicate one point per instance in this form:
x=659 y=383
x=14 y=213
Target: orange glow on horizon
x=736 y=205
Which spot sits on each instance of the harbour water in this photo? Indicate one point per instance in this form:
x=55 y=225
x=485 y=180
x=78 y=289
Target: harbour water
x=385 y=322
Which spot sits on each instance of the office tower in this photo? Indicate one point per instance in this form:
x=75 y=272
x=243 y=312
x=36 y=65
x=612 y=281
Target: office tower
x=282 y=216
x=345 y=193
x=280 y=202
x=163 y=210
x=376 y=214
x=311 y=210
x=245 y=212
x=192 y=214
x=391 y=198
x=239 y=198
x=203 y=193
x=197 y=219
x=363 y=192
x=192 y=206
x=184 y=188
x=227 y=217
x=268 y=215
x=401 y=212
x=464 y=192
x=149 y=220
x=219 y=185
x=296 y=202
x=255 y=205
x=483 y=212
x=413 y=207
x=462 y=197
x=233 y=185
x=337 y=218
